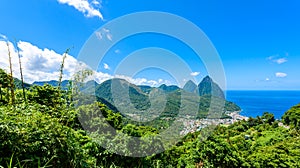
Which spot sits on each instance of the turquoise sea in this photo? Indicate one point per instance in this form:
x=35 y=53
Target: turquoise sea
x=255 y=103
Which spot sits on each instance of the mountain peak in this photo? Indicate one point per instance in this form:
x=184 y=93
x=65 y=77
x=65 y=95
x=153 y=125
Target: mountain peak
x=170 y=88
x=190 y=86
x=162 y=86
x=190 y=82
x=208 y=87
x=207 y=79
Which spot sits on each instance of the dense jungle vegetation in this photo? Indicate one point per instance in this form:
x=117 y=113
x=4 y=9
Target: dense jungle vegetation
x=42 y=129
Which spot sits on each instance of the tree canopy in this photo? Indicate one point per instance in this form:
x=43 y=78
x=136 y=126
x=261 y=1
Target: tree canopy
x=48 y=131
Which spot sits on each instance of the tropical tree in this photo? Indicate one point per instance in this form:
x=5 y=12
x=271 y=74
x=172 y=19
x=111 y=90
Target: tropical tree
x=4 y=82
x=292 y=117
x=11 y=79
x=21 y=73
x=61 y=70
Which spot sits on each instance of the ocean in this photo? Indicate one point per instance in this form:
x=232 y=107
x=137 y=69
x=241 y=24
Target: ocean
x=255 y=103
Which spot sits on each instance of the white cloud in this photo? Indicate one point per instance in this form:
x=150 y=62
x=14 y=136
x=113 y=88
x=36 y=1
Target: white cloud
x=104 y=33
x=267 y=79
x=109 y=36
x=136 y=81
x=195 y=73
x=44 y=64
x=280 y=60
x=85 y=7
x=117 y=51
x=96 y=2
x=143 y=81
x=280 y=74
x=3 y=37
x=152 y=83
x=277 y=60
x=105 y=66
x=99 y=35
x=38 y=64
x=100 y=77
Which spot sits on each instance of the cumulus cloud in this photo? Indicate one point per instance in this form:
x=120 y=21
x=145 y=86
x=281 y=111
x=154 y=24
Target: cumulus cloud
x=97 y=3
x=280 y=74
x=143 y=81
x=105 y=66
x=280 y=60
x=100 y=77
x=44 y=64
x=136 y=81
x=195 y=73
x=89 y=9
x=277 y=60
x=38 y=64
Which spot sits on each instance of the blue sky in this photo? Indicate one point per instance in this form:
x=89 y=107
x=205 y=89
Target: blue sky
x=258 y=41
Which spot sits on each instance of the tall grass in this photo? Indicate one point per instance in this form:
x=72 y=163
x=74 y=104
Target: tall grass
x=22 y=164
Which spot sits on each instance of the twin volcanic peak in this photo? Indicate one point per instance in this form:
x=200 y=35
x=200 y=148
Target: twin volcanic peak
x=191 y=87
x=206 y=87
x=141 y=101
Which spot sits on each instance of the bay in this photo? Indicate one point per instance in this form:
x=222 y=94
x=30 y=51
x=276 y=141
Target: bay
x=255 y=103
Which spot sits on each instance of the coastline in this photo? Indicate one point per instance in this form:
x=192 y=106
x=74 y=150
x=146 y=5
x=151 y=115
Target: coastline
x=237 y=115
x=255 y=102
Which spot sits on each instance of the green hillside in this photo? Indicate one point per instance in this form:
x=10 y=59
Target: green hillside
x=50 y=131
x=146 y=102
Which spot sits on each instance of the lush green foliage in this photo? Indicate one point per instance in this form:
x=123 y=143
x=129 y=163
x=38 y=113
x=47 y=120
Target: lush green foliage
x=291 y=117
x=172 y=98
x=31 y=135
x=4 y=87
x=18 y=84
x=258 y=142
x=46 y=131
x=49 y=131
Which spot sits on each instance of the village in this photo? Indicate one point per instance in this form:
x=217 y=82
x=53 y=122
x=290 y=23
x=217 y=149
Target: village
x=193 y=125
